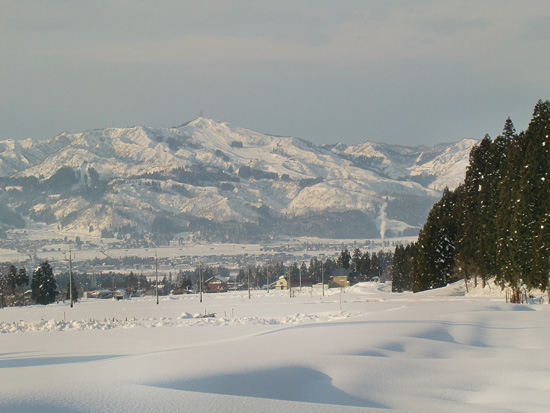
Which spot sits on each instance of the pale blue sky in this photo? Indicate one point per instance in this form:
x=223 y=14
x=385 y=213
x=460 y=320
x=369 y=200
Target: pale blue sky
x=409 y=72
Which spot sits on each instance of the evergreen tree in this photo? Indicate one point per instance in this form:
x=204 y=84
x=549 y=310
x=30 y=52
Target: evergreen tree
x=344 y=259
x=506 y=218
x=375 y=269
x=488 y=203
x=356 y=258
x=11 y=279
x=303 y=270
x=365 y=266
x=22 y=280
x=328 y=266
x=402 y=268
x=466 y=243
x=294 y=271
x=534 y=200
x=435 y=257
x=314 y=270
x=43 y=285
x=398 y=269
x=498 y=222
x=509 y=131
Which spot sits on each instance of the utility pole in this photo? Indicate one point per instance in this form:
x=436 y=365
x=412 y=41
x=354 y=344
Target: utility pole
x=301 y=278
x=200 y=281
x=248 y=266
x=323 y=277
x=156 y=278
x=71 y=277
x=289 y=282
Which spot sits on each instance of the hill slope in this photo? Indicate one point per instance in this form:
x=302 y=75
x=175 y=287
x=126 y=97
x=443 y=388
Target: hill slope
x=224 y=183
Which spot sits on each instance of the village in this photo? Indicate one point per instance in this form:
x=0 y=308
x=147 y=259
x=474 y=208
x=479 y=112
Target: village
x=113 y=269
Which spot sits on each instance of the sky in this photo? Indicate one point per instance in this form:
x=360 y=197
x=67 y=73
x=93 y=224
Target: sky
x=403 y=72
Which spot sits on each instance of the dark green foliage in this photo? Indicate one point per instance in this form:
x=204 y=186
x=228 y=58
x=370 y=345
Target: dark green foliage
x=375 y=266
x=402 y=268
x=365 y=268
x=12 y=277
x=43 y=285
x=11 y=283
x=356 y=258
x=22 y=277
x=247 y=172
x=344 y=259
x=199 y=175
x=161 y=225
x=525 y=246
x=62 y=180
x=435 y=257
x=93 y=177
x=107 y=233
x=497 y=223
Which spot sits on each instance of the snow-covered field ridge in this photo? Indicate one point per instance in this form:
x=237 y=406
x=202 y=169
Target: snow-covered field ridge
x=362 y=349
x=204 y=173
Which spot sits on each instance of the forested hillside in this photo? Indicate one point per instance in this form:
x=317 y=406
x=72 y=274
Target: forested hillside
x=495 y=224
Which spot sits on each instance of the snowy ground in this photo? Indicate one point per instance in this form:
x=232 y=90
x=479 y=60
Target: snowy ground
x=365 y=349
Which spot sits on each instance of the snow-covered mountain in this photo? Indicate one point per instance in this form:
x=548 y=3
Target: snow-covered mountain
x=223 y=182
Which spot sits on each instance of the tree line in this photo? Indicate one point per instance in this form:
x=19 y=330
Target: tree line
x=365 y=266
x=495 y=224
x=46 y=288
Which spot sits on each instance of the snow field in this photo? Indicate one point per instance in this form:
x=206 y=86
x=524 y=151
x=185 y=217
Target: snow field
x=436 y=351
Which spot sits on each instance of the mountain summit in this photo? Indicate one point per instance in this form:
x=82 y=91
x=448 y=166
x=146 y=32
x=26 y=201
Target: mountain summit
x=223 y=183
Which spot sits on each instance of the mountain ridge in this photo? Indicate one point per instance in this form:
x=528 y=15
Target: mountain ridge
x=208 y=178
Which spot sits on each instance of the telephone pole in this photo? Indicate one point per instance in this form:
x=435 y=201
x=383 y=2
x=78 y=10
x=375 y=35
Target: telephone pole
x=289 y=281
x=71 y=277
x=248 y=265
x=323 y=276
x=200 y=281
x=156 y=278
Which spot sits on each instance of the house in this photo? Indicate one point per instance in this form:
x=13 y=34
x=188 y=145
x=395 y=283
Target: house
x=103 y=294
x=120 y=294
x=354 y=277
x=216 y=285
x=180 y=291
x=152 y=291
x=339 y=278
x=281 y=283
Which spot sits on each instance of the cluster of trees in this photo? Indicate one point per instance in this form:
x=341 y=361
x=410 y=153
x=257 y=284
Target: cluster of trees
x=13 y=282
x=366 y=264
x=496 y=224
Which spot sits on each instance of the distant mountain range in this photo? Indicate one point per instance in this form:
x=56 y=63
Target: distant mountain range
x=222 y=183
